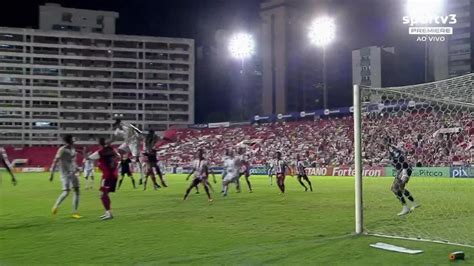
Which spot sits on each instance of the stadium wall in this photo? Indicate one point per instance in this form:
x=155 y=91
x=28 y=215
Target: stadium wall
x=442 y=172
x=454 y=172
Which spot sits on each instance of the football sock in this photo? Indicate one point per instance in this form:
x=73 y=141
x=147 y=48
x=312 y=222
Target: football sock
x=105 y=200
x=408 y=195
x=75 y=200
x=61 y=198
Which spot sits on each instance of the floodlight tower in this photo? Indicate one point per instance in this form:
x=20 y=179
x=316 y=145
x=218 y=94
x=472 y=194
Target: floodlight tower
x=322 y=32
x=242 y=47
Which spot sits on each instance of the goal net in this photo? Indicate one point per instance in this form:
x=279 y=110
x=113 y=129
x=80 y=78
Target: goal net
x=421 y=137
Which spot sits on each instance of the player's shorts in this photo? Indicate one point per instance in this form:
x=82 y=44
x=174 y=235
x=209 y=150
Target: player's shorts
x=129 y=173
x=401 y=181
x=150 y=171
x=108 y=185
x=230 y=177
x=280 y=176
x=201 y=179
x=132 y=147
x=88 y=172
x=302 y=175
x=69 y=181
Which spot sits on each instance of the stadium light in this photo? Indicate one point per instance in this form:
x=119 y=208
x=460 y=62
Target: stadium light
x=422 y=10
x=241 y=46
x=322 y=31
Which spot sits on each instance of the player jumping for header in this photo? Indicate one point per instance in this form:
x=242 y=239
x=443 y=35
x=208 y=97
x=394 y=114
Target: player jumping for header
x=66 y=157
x=131 y=143
x=201 y=173
x=6 y=163
x=301 y=172
x=403 y=173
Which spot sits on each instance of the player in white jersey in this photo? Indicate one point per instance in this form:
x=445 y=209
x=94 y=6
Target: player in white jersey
x=88 y=171
x=281 y=167
x=232 y=166
x=270 y=170
x=66 y=158
x=132 y=138
x=301 y=172
x=201 y=173
x=6 y=163
x=224 y=158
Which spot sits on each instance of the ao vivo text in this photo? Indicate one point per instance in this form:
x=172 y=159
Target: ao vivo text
x=430 y=39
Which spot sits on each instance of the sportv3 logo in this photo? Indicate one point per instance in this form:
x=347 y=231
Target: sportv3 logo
x=432 y=25
x=429 y=20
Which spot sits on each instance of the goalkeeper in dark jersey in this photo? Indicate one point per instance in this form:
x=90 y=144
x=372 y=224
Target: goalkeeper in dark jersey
x=403 y=172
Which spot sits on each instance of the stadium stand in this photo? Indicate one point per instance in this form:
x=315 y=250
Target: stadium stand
x=329 y=142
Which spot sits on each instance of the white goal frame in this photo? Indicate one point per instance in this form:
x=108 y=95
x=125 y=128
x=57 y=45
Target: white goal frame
x=358 y=167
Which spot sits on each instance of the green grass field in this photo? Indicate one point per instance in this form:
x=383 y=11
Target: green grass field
x=158 y=227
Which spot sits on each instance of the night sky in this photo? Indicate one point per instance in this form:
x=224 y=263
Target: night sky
x=359 y=23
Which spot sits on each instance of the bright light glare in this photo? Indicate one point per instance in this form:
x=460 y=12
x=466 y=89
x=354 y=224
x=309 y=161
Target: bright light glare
x=424 y=9
x=322 y=31
x=242 y=46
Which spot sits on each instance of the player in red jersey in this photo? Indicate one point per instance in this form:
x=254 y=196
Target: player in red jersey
x=281 y=166
x=108 y=160
x=201 y=173
x=4 y=160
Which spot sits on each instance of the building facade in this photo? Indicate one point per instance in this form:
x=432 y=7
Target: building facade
x=55 y=17
x=62 y=82
x=453 y=57
x=291 y=67
x=373 y=66
x=274 y=15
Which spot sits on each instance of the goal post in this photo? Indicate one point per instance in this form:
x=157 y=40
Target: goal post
x=358 y=161
x=431 y=126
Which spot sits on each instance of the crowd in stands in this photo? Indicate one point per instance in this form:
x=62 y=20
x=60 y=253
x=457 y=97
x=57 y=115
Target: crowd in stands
x=329 y=142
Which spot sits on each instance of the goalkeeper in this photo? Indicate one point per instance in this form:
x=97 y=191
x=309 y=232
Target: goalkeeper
x=403 y=173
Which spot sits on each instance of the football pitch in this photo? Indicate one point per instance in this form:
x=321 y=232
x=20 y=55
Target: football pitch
x=264 y=227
